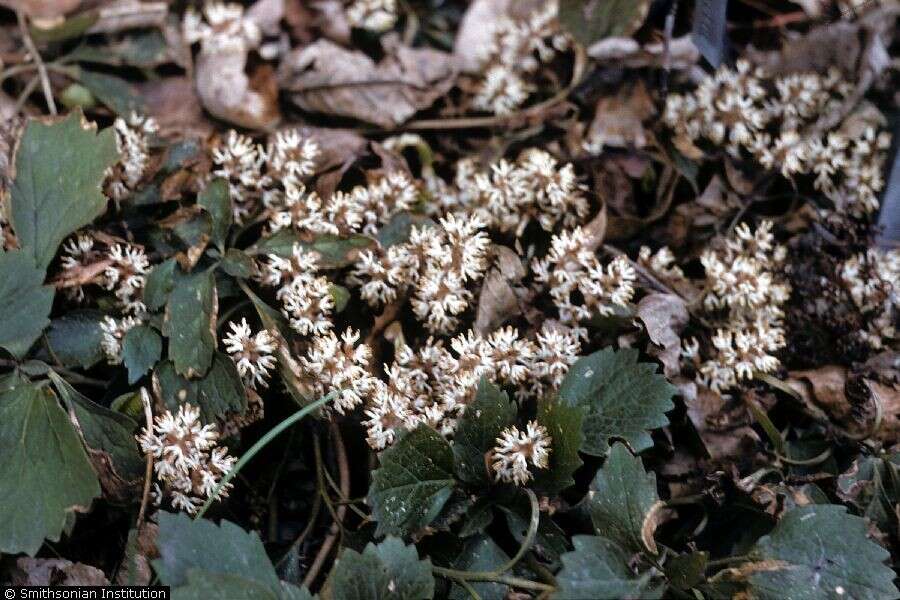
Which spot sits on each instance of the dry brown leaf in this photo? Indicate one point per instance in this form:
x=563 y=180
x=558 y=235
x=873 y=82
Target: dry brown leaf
x=227 y=92
x=628 y=53
x=724 y=427
x=823 y=389
x=498 y=300
x=326 y=78
x=336 y=146
x=664 y=317
x=174 y=103
x=56 y=572
x=48 y=12
x=618 y=121
x=141 y=549
x=129 y=14
x=476 y=29
x=888 y=399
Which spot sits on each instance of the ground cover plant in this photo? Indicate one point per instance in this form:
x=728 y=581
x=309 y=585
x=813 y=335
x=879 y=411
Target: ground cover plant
x=444 y=299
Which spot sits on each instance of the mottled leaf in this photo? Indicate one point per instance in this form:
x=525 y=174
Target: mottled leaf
x=386 y=571
x=413 y=483
x=590 y=21
x=190 y=323
x=216 y=200
x=623 y=398
x=141 y=348
x=218 y=393
x=59 y=173
x=564 y=423
x=599 y=568
x=476 y=434
x=45 y=473
x=622 y=498
x=25 y=300
x=74 y=338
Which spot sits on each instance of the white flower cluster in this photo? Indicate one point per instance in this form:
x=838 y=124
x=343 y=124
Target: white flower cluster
x=188 y=464
x=517 y=450
x=745 y=294
x=305 y=297
x=221 y=28
x=770 y=120
x=126 y=275
x=873 y=281
x=338 y=364
x=510 y=194
x=113 y=331
x=434 y=384
x=252 y=354
x=662 y=263
x=132 y=142
x=274 y=174
x=580 y=285
x=364 y=208
x=374 y=15
x=436 y=262
x=516 y=51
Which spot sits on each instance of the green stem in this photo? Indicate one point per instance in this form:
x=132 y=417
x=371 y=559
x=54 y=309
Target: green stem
x=525 y=584
x=262 y=443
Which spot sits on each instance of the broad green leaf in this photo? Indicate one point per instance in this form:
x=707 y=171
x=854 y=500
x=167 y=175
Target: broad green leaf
x=216 y=199
x=116 y=93
x=564 y=424
x=104 y=430
x=203 y=585
x=190 y=323
x=820 y=551
x=58 y=186
x=590 y=21
x=225 y=549
x=621 y=500
x=74 y=338
x=480 y=554
x=476 y=434
x=387 y=571
x=45 y=473
x=872 y=485
x=549 y=541
x=237 y=264
x=334 y=251
x=141 y=349
x=413 y=483
x=159 y=284
x=218 y=393
x=623 y=398
x=25 y=300
x=599 y=568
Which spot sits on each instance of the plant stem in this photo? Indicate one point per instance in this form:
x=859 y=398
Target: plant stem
x=36 y=57
x=262 y=443
x=525 y=584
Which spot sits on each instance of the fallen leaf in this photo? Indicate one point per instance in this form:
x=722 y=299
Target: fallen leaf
x=56 y=572
x=50 y=12
x=723 y=426
x=664 y=316
x=627 y=52
x=618 y=120
x=228 y=93
x=326 y=78
x=337 y=147
x=174 y=103
x=476 y=29
x=823 y=389
x=888 y=400
x=499 y=300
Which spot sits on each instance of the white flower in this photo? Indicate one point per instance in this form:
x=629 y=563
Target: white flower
x=134 y=155
x=126 y=276
x=252 y=354
x=516 y=451
x=225 y=28
x=338 y=365
x=374 y=15
x=188 y=464
x=113 y=331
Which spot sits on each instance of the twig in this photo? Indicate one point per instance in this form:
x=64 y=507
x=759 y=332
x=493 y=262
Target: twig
x=148 y=471
x=35 y=55
x=525 y=584
x=344 y=471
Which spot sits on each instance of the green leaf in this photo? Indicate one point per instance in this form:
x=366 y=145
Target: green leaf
x=116 y=93
x=141 y=349
x=592 y=21
x=480 y=554
x=219 y=393
x=237 y=264
x=621 y=500
x=817 y=550
x=104 y=430
x=224 y=552
x=216 y=199
x=599 y=568
x=550 y=542
x=202 y=585
x=340 y=296
x=413 y=484
x=476 y=434
x=75 y=338
x=389 y=570
x=334 y=251
x=159 y=284
x=564 y=424
x=624 y=398
x=25 y=300
x=687 y=570
x=58 y=186
x=190 y=323
x=45 y=473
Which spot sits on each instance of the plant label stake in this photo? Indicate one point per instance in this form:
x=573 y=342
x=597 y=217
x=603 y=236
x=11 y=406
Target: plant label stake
x=889 y=218
x=709 y=33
